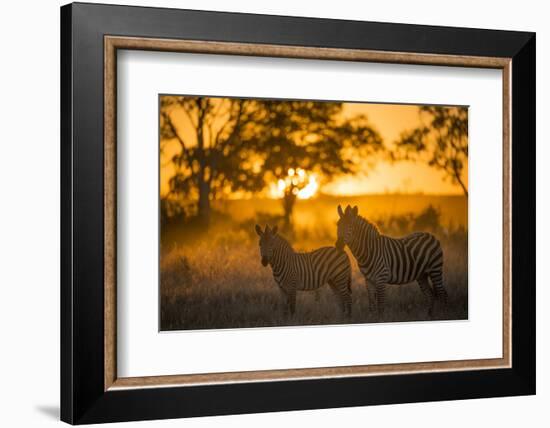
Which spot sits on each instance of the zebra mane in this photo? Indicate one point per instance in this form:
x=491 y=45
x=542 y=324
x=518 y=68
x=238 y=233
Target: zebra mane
x=363 y=221
x=281 y=241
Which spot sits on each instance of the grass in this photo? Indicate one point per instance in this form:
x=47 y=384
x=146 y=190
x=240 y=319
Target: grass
x=216 y=280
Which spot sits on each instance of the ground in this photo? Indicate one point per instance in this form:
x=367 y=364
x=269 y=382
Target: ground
x=214 y=279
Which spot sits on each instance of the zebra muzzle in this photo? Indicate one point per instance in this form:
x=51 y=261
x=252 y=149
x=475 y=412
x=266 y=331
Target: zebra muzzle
x=264 y=261
x=339 y=244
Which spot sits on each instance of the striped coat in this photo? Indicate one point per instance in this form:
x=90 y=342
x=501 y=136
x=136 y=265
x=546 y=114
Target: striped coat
x=383 y=260
x=294 y=271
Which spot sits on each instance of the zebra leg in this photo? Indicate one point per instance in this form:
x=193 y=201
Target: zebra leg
x=426 y=289
x=371 y=294
x=436 y=276
x=341 y=292
x=380 y=288
x=291 y=301
x=337 y=294
x=347 y=291
x=347 y=303
x=284 y=295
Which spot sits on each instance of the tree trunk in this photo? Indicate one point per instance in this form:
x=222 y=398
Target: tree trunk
x=204 y=198
x=202 y=181
x=288 y=205
x=464 y=189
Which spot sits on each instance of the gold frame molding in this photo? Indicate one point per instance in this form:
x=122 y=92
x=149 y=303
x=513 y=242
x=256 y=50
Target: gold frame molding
x=113 y=43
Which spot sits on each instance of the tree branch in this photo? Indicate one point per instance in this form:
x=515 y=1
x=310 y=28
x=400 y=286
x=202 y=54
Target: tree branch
x=170 y=124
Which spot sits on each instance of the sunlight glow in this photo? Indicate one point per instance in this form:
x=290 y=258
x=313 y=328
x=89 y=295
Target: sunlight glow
x=298 y=181
x=310 y=189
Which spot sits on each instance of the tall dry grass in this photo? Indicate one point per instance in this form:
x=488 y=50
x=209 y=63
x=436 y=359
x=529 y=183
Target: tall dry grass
x=214 y=279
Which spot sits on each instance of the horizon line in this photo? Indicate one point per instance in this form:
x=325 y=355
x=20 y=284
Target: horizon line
x=358 y=195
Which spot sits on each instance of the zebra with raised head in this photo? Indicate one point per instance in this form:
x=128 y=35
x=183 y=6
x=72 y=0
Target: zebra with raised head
x=383 y=260
x=295 y=271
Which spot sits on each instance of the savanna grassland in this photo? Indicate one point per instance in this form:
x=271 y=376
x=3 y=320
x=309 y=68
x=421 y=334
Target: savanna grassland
x=213 y=279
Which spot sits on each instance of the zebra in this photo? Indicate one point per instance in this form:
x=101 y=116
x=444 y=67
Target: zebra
x=309 y=271
x=383 y=260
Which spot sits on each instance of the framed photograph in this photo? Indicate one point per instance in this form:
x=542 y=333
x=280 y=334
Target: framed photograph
x=266 y=213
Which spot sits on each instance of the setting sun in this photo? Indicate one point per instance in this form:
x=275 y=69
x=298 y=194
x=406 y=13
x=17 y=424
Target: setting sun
x=310 y=189
x=300 y=183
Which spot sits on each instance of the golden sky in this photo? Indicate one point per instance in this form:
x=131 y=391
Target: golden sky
x=400 y=177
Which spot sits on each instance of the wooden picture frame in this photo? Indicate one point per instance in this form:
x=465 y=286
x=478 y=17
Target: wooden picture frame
x=91 y=391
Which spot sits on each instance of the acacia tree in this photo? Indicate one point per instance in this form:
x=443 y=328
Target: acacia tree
x=212 y=158
x=314 y=137
x=441 y=140
x=228 y=145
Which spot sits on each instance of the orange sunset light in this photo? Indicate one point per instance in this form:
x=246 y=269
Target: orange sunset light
x=301 y=183
x=384 y=177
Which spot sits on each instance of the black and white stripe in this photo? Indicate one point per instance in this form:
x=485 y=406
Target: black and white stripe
x=294 y=271
x=383 y=260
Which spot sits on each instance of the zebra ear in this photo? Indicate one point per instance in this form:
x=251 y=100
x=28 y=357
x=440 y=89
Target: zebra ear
x=274 y=230
x=340 y=212
x=355 y=210
x=348 y=208
x=267 y=230
x=259 y=230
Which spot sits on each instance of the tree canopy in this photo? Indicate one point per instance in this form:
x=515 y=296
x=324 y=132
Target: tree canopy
x=440 y=140
x=242 y=145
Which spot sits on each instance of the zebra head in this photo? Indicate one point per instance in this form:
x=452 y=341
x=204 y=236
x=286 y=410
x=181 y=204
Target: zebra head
x=346 y=225
x=267 y=242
